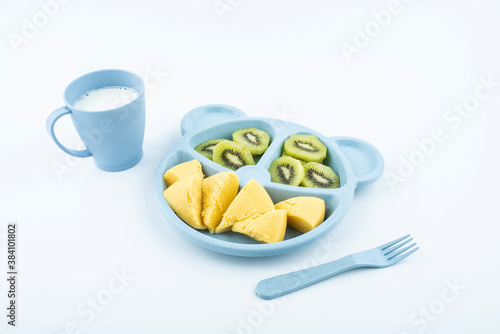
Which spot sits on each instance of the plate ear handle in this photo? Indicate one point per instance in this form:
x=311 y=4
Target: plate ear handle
x=208 y=115
x=364 y=159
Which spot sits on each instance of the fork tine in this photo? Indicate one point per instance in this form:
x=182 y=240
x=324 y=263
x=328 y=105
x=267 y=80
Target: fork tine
x=401 y=257
x=397 y=258
x=396 y=246
x=389 y=244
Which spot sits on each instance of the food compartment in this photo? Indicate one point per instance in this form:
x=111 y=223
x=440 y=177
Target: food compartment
x=332 y=159
x=225 y=131
x=277 y=195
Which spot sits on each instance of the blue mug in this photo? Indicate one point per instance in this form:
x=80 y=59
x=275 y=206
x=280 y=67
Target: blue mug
x=112 y=137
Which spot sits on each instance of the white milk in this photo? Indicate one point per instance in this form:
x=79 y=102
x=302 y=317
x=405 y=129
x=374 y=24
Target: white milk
x=106 y=98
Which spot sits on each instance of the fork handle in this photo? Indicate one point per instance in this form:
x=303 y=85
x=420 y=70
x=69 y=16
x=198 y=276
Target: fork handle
x=281 y=285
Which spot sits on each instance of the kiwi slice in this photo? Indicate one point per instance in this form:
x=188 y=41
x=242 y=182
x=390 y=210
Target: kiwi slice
x=257 y=141
x=207 y=148
x=303 y=162
x=232 y=155
x=286 y=170
x=317 y=175
x=305 y=147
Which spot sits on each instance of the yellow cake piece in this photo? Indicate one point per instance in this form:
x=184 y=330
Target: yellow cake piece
x=268 y=227
x=252 y=200
x=182 y=170
x=219 y=191
x=303 y=213
x=184 y=197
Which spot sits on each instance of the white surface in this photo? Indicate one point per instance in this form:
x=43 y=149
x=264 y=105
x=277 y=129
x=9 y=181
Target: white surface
x=270 y=59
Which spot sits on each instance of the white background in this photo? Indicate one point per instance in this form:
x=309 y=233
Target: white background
x=277 y=59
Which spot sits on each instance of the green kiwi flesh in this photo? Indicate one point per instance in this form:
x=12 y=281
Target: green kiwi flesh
x=232 y=155
x=257 y=141
x=286 y=170
x=303 y=162
x=317 y=175
x=305 y=147
x=207 y=148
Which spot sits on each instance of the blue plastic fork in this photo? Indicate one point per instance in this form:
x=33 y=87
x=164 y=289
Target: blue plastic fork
x=378 y=257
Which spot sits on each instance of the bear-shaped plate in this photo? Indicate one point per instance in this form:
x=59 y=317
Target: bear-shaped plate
x=356 y=162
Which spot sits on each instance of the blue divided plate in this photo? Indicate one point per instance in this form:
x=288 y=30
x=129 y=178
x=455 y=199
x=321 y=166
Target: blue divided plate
x=356 y=162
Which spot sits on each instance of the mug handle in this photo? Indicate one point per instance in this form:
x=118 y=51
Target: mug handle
x=51 y=122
